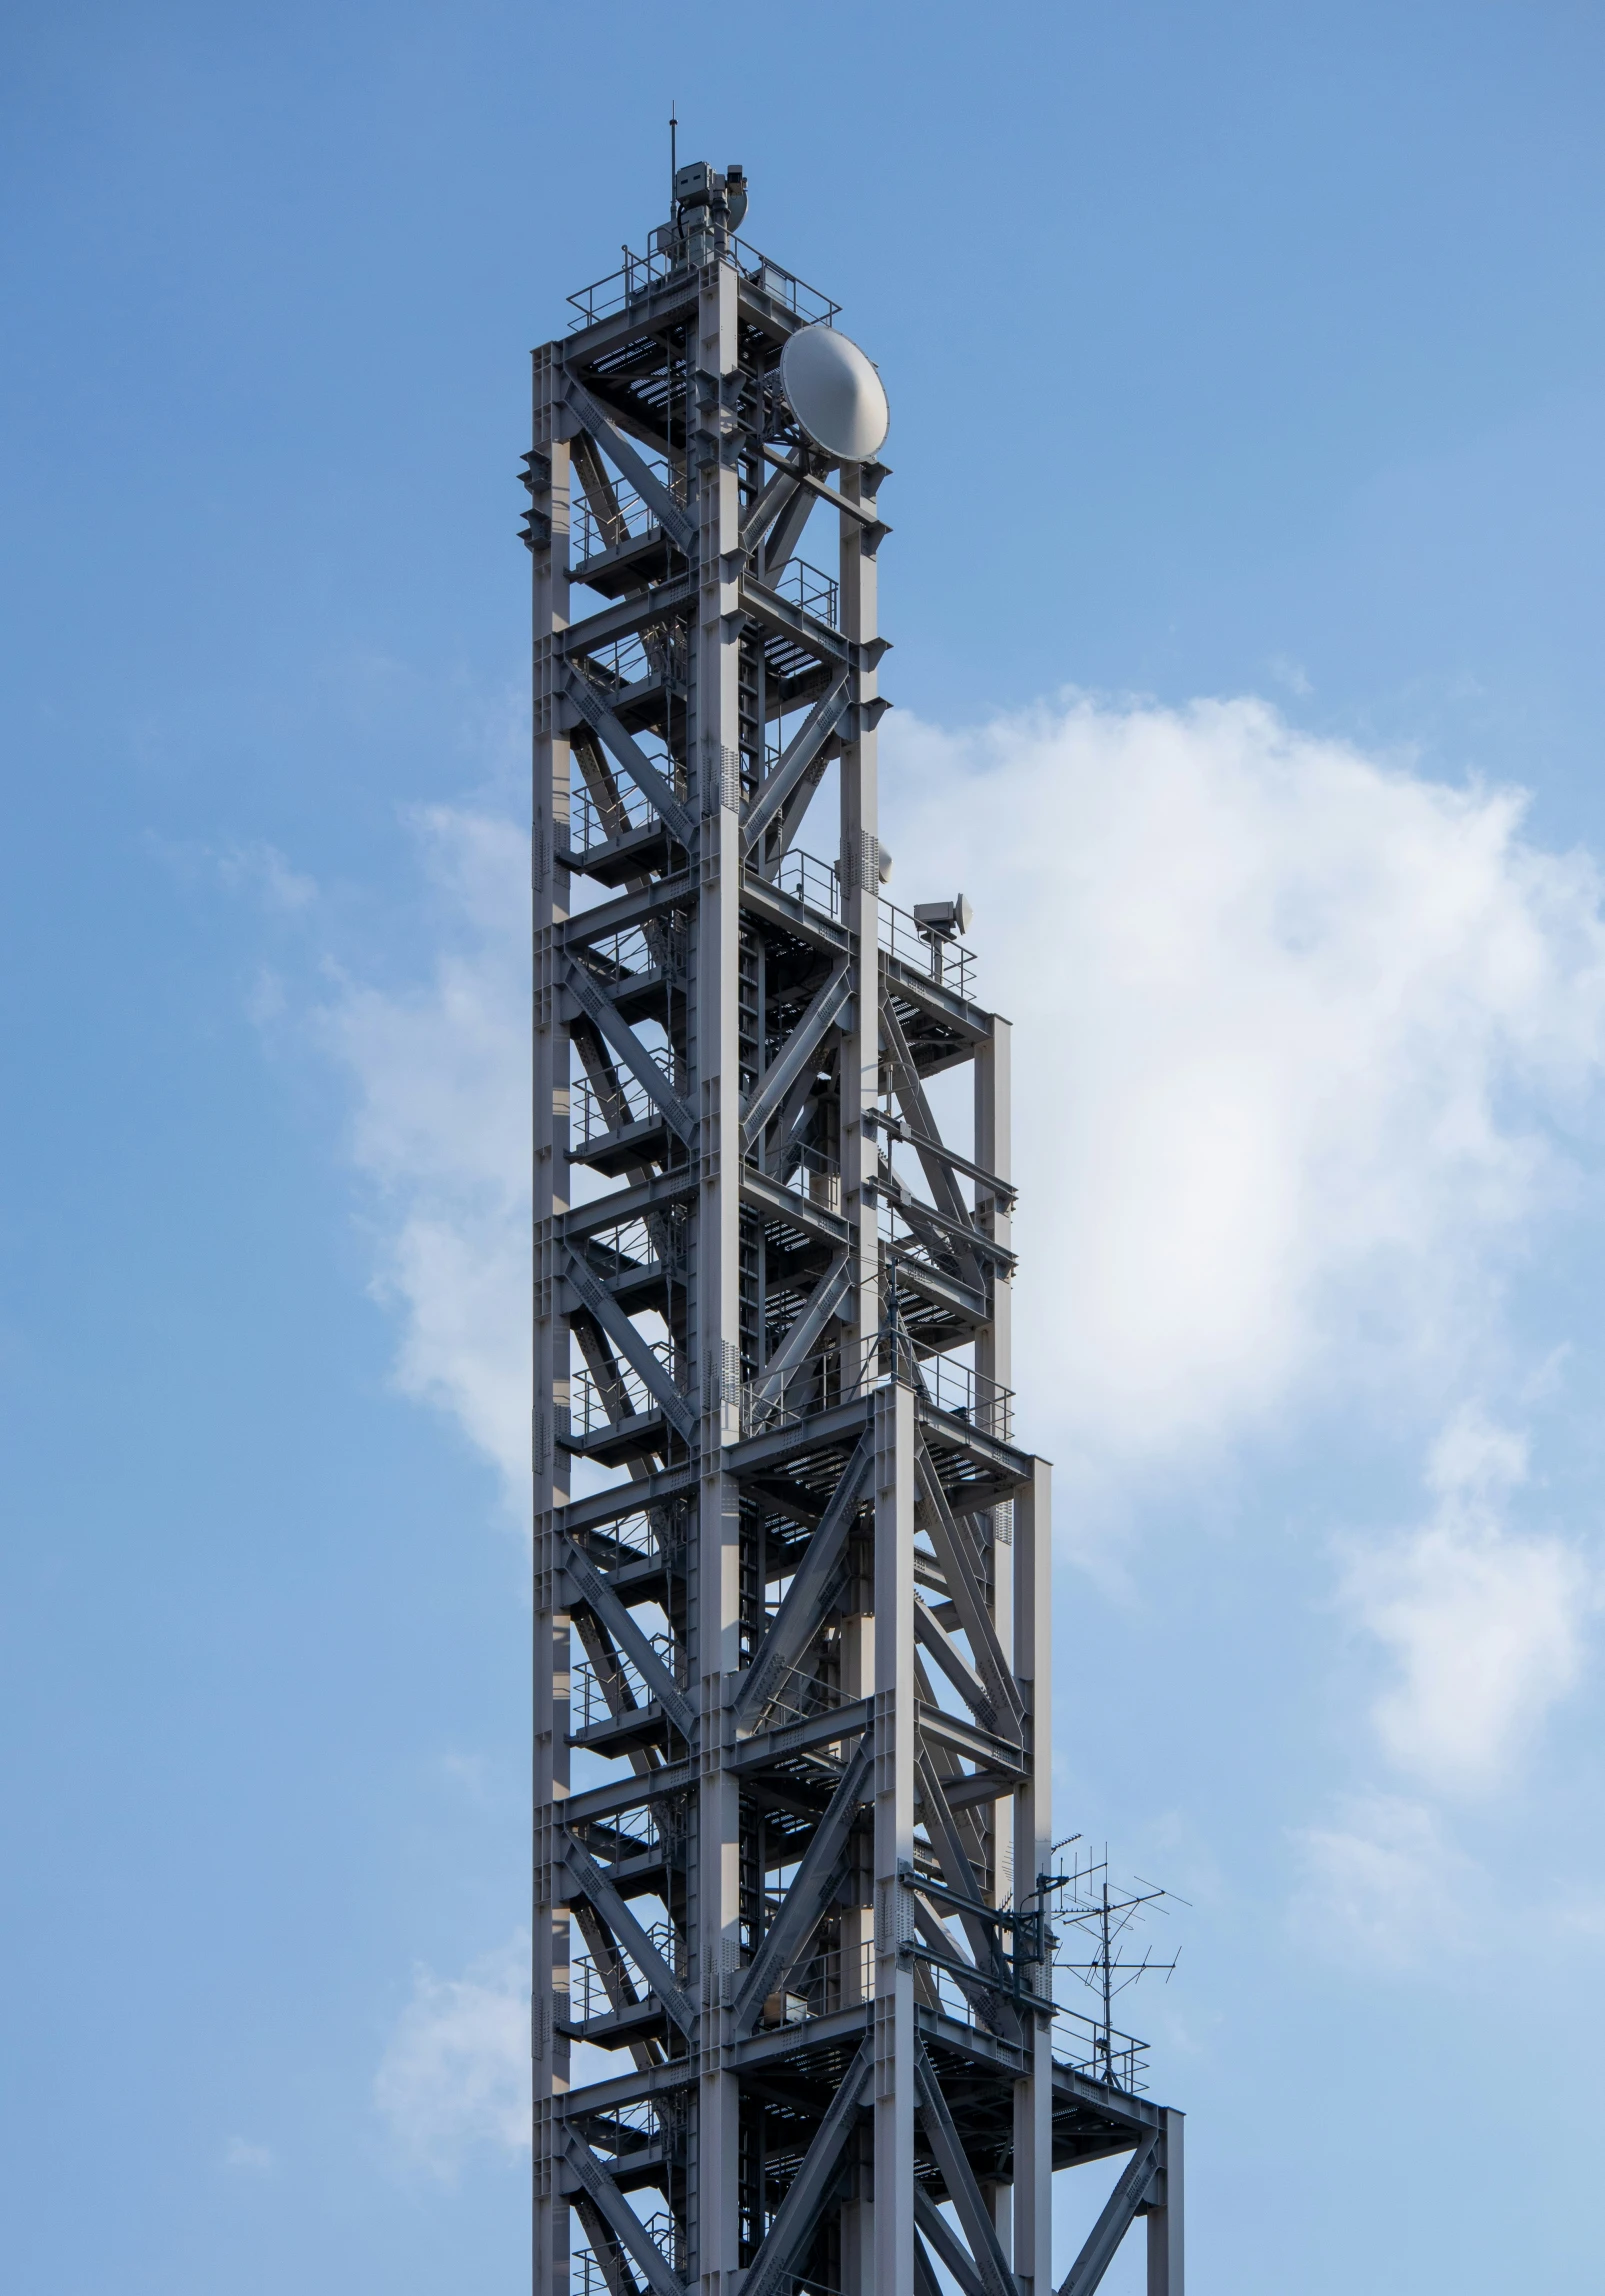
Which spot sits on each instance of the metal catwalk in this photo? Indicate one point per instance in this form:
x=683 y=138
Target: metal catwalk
x=793 y=2025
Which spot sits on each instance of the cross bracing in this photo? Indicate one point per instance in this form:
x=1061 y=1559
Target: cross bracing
x=793 y=2015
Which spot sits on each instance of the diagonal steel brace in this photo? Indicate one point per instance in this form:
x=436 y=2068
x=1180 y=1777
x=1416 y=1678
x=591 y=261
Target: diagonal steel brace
x=672 y=515
x=630 y=1934
x=610 y=1023
x=798 y=1619
x=798 y=2213
x=621 y=2218
x=957 y=2174
x=1112 y=2226
x=630 y=755
x=798 y=1049
x=805 y=1903
x=636 y=1645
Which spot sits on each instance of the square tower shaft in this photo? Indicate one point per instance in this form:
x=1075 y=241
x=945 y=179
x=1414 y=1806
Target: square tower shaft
x=793 y=2027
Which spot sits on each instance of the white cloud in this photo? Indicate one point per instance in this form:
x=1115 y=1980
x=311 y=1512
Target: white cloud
x=457 y=2070
x=1383 y=1884
x=1292 y=1026
x=263 y=870
x=247 y=2158
x=1484 y=1624
x=442 y=1129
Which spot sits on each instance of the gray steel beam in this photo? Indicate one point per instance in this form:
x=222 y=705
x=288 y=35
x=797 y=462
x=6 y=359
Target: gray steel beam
x=935 y=2228
x=807 y=1330
x=631 y=1345
x=798 y=1619
x=657 y=603
x=769 y=504
x=925 y=2280
x=630 y=1934
x=598 y=490
x=794 y=761
x=830 y=494
x=1114 y=2221
x=961 y=1566
x=622 y=2220
x=1166 y=2260
x=935 y=1638
x=958 y=1872
x=785 y=534
x=798 y=2213
x=986 y=2250
x=794 y=1055
x=587 y=994
x=917 y=1109
x=606 y=2249
x=637 y=1647
x=807 y=1901
x=614 y=444
x=648 y=779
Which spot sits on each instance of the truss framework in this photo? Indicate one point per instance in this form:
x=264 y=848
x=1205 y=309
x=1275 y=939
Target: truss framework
x=792 y=2026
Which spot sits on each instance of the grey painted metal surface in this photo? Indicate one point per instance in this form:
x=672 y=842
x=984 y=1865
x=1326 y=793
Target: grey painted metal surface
x=792 y=2019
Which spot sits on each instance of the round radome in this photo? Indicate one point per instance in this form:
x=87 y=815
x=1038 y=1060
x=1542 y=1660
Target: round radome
x=835 y=393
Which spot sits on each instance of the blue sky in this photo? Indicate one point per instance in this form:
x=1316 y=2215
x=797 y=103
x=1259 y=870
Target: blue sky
x=1247 y=369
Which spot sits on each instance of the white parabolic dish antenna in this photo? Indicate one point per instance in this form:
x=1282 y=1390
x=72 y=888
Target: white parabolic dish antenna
x=835 y=393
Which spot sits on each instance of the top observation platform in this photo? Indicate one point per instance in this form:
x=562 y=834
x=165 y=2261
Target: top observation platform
x=637 y=275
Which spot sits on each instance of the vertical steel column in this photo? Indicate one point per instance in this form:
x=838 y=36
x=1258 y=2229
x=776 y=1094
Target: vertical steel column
x=1165 y=2247
x=1032 y=1831
x=549 y=534
x=714 y=1941
x=896 y=2031
x=858 y=872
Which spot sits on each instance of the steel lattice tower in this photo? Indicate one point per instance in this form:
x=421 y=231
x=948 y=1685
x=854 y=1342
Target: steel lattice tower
x=792 y=2026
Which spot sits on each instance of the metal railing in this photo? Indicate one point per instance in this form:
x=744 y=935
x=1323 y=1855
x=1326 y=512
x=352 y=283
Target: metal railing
x=640 y=658
x=836 y=1979
x=803 y=877
x=949 y=963
x=590 y=1120
x=587 y=1413
x=798 y=1696
x=961 y=1392
x=589 y=1686
x=588 y=536
x=836 y=1375
x=839 y=1374
x=813 y=1178
x=805 y=302
x=929 y=1241
x=633 y=1532
x=808 y=588
x=587 y=826
x=633 y=277
x=659 y=946
x=1099 y=2052
x=659 y=2228
x=815 y=883
x=845 y=1974
x=637 y=273
x=632 y=1832
x=588 y=1996
x=966 y=2003
x=639 y=1243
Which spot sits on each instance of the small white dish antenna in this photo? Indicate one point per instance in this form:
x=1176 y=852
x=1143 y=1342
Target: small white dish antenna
x=835 y=393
